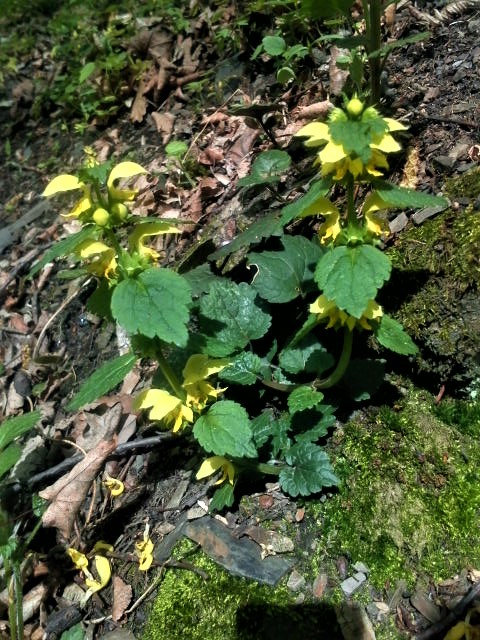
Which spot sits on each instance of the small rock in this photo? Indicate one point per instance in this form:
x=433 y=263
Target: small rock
x=427 y=212
x=296 y=581
x=360 y=577
x=399 y=223
x=319 y=585
x=196 y=512
x=359 y=566
x=342 y=567
x=118 y=634
x=445 y=161
x=350 y=585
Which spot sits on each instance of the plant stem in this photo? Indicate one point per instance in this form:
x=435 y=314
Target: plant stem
x=170 y=375
x=342 y=363
x=351 y=213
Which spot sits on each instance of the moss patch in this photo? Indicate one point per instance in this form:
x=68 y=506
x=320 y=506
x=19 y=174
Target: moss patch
x=409 y=506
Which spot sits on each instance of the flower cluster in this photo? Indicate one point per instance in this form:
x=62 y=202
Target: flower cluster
x=327 y=310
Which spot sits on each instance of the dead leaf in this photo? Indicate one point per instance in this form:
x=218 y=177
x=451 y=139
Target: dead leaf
x=122 y=595
x=315 y=110
x=164 y=123
x=139 y=107
x=338 y=77
x=67 y=494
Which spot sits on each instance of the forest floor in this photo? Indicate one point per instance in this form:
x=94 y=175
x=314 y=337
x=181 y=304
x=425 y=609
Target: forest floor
x=408 y=582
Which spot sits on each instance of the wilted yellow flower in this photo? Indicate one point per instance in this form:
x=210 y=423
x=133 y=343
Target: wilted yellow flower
x=114 y=485
x=144 y=551
x=212 y=465
x=164 y=406
x=326 y=309
x=100 y=564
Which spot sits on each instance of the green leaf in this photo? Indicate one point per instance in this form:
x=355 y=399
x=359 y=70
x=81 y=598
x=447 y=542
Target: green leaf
x=74 y=633
x=318 y=430
x=274 y=45
x=352 y=276
x=265 y=227
x=176 y=148
x=396 y=44
x=200 y=278
x=64 y=247
x=285 y=75
x=263 y=427
x=302 y=398
x=310 y=470
x=308 y=355
x=403 y=198
x=100 y=301
x=284 y=275
x=86 y=72
x=156 y=303
x=15 y=427
x=267 y=168
x=243 y=369
x=225 y=430
x=305 y=205
x=9 y=458
x=234 y=317
x=393 y=336
x=223 y=497
x=102 y=380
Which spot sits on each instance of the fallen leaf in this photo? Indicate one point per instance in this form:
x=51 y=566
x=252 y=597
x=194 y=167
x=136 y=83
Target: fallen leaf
x=122 y=595
x=338 y=77
x=67 y=494
x=164 y=123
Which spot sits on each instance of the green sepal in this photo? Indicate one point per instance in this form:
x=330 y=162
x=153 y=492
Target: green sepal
x=155 y=303
x=309 y=470
x=225 y=430
x=391 y=335
x=102 y=381
x=352 y=276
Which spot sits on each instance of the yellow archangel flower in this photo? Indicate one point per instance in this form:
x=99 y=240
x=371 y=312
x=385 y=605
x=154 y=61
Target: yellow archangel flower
x=338 y=156
x=197 y=369
x=212 y=465
x=66 y=182
x=164 y=406
x=103 y=262
x=142 y=231
x=326 y=309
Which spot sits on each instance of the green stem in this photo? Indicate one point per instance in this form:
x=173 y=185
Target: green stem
x=170 y=376
x=18 y=595
x=351 y=213
x=342 y=363
x=259 y=467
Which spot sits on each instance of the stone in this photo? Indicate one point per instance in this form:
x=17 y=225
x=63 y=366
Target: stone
x=319 y=585
x=296 y=582
x=399 y=223
x=350 y=585
x=360 y=577
x=359 y=566
x=427 y=212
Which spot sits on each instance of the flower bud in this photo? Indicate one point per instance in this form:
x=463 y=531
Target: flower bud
x=355 y=107
x=101 y=217
x=119 y=211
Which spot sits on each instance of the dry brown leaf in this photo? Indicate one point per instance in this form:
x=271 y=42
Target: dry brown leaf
x=139 y=107
x=315 y=110
x=164 y=123
x=67 y=494
x=100 y=427
x=338 y=77
x=122 y=595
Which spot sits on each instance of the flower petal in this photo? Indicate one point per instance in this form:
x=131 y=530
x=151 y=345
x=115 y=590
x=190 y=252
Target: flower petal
x=84 y=204
x=386 y=143
x=102 y=566
x=332 y=153
x=123 y=170
x=394 y=125
x=317 y=132
x=199 y=367
x=141 y=231
x=64 y=182
x=115 y=486
x=79 y=559
x=161 y=401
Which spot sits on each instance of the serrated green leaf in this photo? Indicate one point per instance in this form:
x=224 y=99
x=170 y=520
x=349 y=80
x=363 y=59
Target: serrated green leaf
x=302 y=398
x=156 y=303
x=64 y=247
x=403 y=198
x=200 y=278
x=356 y=136
x=393 y=336
x=100 y=301
x=307 y=355
x=274 y=45
x=223 y=497
x=235 y=317
x=9 y=458
x=304 y=205
x=265 y=227
x=225 y=430
x=309 y=471
x=102 y=381
x=352 y=276
x=267 y=168
x=284 y=275
x=266 y=427
x=262 y=427
x=320 y=427
x=15 y=427
x=243 y=369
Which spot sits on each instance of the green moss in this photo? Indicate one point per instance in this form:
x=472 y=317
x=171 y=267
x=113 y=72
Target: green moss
x=409 y=505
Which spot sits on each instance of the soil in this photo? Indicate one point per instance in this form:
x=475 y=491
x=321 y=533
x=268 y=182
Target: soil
x=433 y=86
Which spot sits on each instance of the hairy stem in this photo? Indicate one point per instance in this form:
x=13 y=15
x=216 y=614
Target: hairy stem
x=170 y=375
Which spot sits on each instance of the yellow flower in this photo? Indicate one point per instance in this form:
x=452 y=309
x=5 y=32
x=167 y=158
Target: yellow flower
x=103 y=263
x=67 y=182
x=144 y=551
x=326 y=309
x=164 y=406
x=213 y=464
x=100 y=563
x=361 y=155
x=115 y=486
x=330 y=228
x=142 y=231
x=197 y=369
